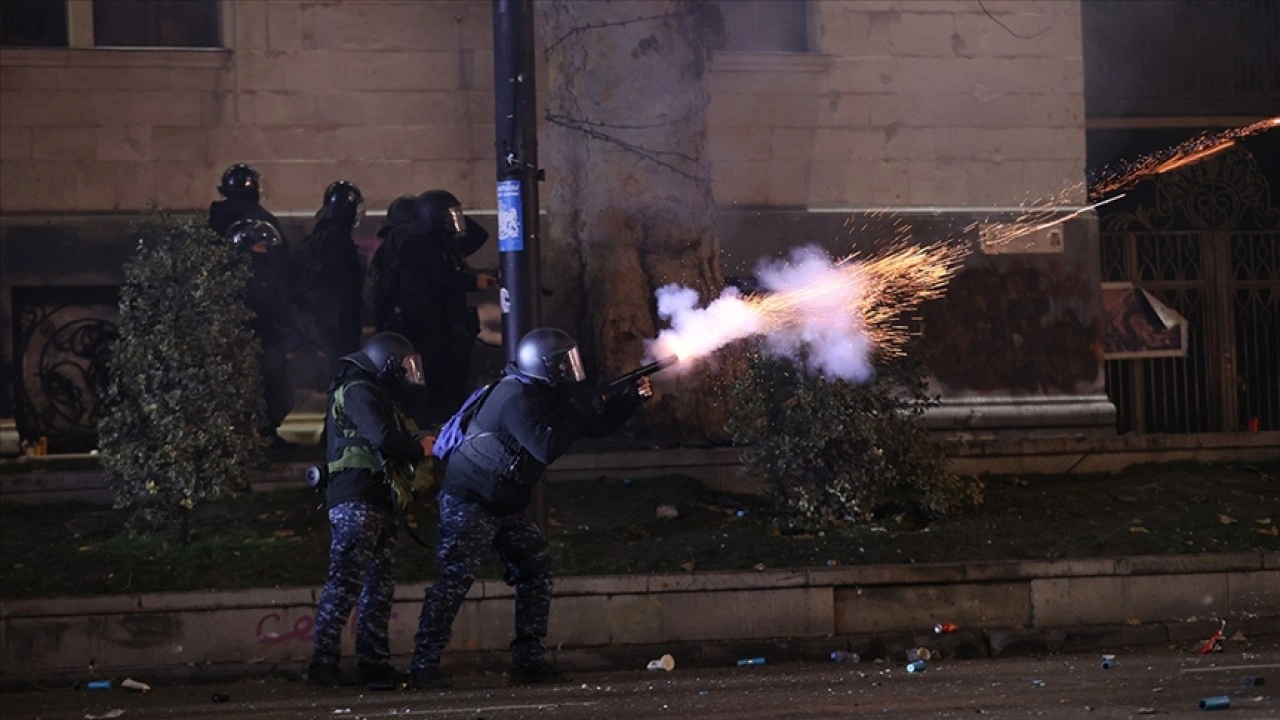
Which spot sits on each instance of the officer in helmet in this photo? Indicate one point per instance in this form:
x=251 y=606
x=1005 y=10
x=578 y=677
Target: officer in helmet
x=330 y=277
x=240 y=187
x=267 y=298
x=430 y=303
x=372 y=448
x=528 y=419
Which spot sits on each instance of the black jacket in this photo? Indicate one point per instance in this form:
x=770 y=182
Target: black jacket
x=330 y=285
x=268 y=297
x=521 y=428
x=369 y=408
x=433 y=281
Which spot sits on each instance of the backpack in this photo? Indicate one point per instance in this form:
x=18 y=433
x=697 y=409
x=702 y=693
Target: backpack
x=454 y=431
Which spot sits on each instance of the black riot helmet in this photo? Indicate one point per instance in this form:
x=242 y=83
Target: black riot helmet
x=240 y=182
x=399 y=212
x=342 y=199
x=550 y=355
x=438 y=212
x=391 y=357
x=257 y=236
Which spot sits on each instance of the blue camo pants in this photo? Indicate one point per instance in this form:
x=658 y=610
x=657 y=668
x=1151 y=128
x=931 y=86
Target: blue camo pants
x=361 y=566
x=467 y=532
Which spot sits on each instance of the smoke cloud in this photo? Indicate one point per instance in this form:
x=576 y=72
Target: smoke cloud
x=808 y=311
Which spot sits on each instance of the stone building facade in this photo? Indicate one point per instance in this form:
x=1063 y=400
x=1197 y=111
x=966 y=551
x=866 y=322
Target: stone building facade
x=943 y=111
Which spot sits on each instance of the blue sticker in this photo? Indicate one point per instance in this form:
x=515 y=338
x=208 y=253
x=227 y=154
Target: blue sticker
x=510 y=230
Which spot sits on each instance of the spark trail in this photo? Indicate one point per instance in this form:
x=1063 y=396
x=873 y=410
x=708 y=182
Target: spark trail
x=840 y=311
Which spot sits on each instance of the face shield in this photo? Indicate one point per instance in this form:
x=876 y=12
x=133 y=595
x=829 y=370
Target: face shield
x=359 y=215
x=412 y=367
x=566 y=368
x=457 y=222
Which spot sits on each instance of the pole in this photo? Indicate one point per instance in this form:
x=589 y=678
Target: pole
x=516 y=131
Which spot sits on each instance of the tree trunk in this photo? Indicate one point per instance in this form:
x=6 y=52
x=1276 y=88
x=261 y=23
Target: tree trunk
x=629 y=202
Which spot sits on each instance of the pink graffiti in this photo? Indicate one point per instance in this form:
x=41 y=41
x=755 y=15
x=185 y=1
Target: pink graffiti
x=302 y=630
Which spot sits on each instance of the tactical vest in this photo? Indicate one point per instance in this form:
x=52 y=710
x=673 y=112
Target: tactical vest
x=357 y=454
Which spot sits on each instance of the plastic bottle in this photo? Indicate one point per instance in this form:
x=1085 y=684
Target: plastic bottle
x=841 y=656
x=1217 y=702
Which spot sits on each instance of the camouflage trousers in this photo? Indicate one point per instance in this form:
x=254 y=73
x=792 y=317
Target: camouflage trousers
x=361 y=566
x=467 y=532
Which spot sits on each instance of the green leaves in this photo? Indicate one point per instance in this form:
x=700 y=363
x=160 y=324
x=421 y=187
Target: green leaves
x=185 y=388
x=832 y=451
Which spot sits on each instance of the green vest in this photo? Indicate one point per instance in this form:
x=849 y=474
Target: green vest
x=358 y=454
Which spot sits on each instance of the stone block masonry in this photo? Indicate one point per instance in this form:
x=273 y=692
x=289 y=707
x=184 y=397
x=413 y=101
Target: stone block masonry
x=1002 y=608
x=914 y=104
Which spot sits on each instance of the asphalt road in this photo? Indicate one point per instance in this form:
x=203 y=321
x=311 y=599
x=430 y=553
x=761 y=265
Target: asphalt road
x=1166 y=683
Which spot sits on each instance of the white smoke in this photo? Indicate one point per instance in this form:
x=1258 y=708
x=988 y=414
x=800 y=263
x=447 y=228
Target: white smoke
x=819 y=322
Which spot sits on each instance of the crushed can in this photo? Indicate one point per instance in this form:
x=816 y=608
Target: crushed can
x=945 y=628
x=1108 y=662
x=920 y=653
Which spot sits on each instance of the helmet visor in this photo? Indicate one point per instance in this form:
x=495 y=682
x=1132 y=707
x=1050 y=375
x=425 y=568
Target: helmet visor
x=359 y=215
x=567 y=367
x=412 y=366
x=457 y=221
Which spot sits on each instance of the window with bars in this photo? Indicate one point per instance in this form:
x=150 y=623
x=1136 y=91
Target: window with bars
x=766 y=25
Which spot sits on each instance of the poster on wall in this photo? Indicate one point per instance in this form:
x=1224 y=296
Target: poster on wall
x=1137 y=325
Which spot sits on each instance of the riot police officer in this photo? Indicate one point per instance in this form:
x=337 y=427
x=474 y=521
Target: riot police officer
x=372 y=448
x=330 y=277
x=240 y=187
x=528 y=419
x=267 y=297
x=431 y=297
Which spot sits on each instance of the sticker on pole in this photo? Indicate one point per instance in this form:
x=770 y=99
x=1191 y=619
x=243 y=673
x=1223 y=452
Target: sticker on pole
x=510 y=232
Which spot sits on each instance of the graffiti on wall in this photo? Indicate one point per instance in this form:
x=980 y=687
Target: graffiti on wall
x=268 y=630
x=61 y=358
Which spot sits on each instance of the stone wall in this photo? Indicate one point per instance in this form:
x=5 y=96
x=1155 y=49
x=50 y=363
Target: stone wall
x=913 y=103
x=903 y=104
x=876 y=611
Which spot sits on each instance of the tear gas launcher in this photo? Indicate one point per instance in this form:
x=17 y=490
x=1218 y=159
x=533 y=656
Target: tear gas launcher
x=611 y=389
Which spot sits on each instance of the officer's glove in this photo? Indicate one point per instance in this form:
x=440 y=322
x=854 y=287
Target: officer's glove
x=589 y=402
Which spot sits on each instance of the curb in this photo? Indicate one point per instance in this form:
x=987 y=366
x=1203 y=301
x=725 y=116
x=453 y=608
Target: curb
x=875 y=649
x=710 y=619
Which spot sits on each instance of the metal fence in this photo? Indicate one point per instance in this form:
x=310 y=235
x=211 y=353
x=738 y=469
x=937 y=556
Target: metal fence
x=1227 y=286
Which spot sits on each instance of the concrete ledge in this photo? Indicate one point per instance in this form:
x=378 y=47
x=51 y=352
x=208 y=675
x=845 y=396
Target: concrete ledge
x=79 y=478
x=713 y=617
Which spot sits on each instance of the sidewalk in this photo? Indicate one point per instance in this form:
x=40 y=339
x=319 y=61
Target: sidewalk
x=709 y=618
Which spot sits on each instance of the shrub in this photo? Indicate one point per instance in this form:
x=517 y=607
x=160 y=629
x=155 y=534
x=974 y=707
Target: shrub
x=835 y=451
x=180 y=411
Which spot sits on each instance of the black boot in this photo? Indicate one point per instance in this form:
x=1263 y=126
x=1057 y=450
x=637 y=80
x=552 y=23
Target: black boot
x=326 y=674
x=538 y=673
x=379 y=677
x=427 y=678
